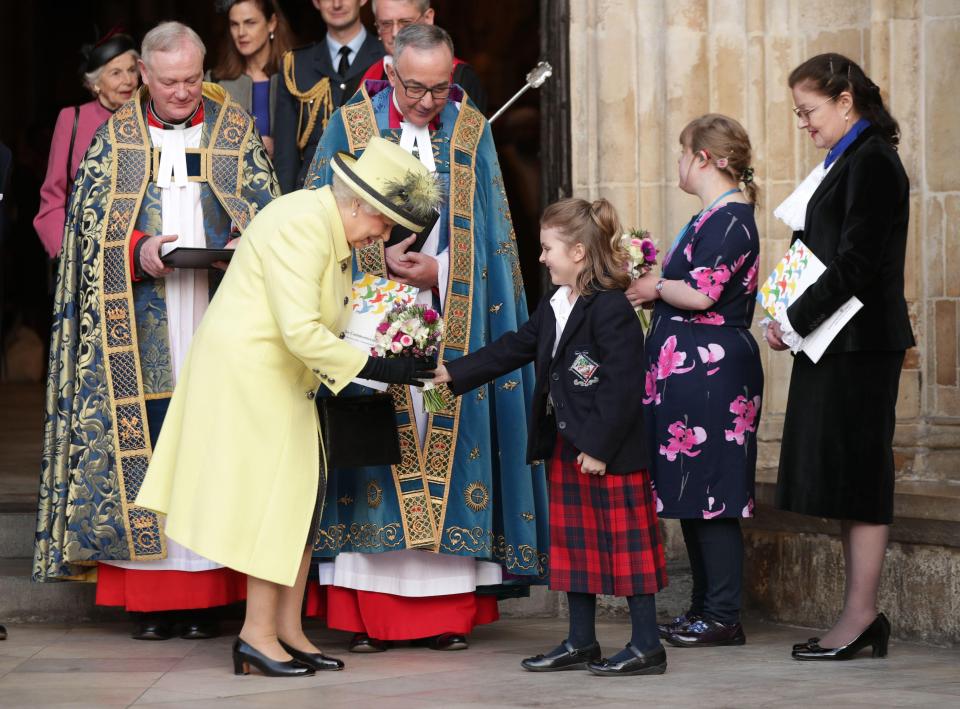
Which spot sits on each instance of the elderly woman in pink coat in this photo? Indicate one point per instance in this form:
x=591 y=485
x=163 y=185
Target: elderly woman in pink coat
x=110 y=74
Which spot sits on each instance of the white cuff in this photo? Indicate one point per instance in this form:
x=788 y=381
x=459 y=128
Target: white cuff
x=443 y=272
x=789 y=336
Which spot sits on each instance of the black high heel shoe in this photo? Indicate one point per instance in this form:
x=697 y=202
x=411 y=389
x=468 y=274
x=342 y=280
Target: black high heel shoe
x=246 y=656
x=316 y=660
x=876 y=636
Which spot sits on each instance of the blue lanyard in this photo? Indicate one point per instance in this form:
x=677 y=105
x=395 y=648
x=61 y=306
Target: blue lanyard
x=695 y=221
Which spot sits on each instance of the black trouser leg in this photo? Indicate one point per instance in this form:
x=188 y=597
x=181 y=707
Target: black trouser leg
x=692 y=541
x=721 y=551
x=583 y=619
x=643 y=621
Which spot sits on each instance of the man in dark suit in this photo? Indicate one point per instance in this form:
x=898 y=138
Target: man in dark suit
x=317 y=80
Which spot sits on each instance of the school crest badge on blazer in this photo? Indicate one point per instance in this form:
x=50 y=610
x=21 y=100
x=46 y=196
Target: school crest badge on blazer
x=585 y=368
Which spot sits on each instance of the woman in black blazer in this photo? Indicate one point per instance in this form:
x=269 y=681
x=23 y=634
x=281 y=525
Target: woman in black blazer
x=587 y=418
x=836 y=458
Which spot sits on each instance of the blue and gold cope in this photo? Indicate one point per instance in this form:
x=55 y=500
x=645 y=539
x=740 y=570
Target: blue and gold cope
x=468 y=490
x=110 y=372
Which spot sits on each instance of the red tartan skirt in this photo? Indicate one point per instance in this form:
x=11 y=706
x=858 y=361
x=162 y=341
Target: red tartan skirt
x=604 y=534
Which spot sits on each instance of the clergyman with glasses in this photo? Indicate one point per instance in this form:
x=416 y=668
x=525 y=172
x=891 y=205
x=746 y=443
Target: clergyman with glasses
x=391 y=16
x=414 y=545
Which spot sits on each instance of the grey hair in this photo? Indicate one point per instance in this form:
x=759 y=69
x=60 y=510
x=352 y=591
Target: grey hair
x=168 y=36
x=421 y=5
x=421 y=37
x=343 y=193
x=90 y=78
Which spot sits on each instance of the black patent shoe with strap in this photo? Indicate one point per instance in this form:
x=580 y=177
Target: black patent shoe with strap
x=652 y=662
x=246 y=656
x=876 y=637
x=565 y=657
x=316 y=660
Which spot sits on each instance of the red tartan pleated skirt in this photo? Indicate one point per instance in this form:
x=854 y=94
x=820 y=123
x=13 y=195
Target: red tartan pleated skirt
x=604 y=535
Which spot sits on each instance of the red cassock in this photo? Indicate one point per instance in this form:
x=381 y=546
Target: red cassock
x=388 y=617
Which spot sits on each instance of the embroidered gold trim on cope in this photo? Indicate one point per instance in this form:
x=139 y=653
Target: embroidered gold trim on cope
x=129 y=176
x=423 y=514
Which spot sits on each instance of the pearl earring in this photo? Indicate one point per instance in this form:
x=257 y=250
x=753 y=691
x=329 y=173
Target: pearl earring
x=271 y=36
x=354 y=213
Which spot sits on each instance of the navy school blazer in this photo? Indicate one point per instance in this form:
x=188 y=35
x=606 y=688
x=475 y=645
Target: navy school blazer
x=595 y=380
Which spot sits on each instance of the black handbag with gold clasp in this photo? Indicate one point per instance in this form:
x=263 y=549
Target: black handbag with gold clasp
x=359 y=430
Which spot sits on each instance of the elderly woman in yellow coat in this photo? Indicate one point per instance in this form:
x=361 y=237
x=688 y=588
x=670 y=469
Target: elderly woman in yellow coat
x=238 y=463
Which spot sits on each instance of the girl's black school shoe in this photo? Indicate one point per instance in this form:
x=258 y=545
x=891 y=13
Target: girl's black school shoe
x=246 y=656
x=565 y=657
x=653 y=662
x=876 y=636
x=707 y=633
x=316 y=660
x=677 y=624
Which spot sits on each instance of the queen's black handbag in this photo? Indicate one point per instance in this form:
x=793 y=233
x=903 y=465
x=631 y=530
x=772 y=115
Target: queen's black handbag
x=359 y=430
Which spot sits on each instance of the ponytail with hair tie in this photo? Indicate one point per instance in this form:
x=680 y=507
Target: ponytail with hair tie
x=746 y=177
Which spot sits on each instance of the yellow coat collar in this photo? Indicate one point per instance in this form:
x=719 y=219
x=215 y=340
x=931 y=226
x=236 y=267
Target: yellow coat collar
x=341 y=248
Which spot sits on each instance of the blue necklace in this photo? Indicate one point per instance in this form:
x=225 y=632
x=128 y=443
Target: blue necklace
x=695 y=222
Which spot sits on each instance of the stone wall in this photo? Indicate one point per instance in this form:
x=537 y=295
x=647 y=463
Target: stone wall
x=641 y=70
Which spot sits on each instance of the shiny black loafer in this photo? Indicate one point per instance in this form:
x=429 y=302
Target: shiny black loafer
x=677 y=624
x=200 y=631
x=316 y=660
x=569 y=658
x=449 y=641
x=362 y=642
x=653 y=662
x=707 y=633
x=153 y=630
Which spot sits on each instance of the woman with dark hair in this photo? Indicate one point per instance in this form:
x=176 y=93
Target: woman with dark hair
x=109 y=71
x=852 y=212
x=249 y=62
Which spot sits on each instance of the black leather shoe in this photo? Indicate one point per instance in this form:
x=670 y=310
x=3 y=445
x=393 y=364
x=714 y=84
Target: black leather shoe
x=800 y=646
x=449 y=641
x=677 y=624
x=653 y=662
x=316 y=660
x=568 y=658
x=3 y=633
x=707 y=633
x=246 y=656
x=200 y=630
x=364 y=643
x=876 y=636
x=153 y=630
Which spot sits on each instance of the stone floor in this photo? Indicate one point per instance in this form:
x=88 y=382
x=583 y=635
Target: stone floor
x=99 y=665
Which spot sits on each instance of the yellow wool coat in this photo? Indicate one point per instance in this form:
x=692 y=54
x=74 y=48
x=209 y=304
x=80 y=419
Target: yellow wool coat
x=237 y=463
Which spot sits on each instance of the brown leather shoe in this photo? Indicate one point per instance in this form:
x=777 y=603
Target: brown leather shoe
x=707 y=633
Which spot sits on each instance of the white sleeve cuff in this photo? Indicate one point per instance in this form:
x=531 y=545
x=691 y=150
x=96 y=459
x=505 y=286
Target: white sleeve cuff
x=443 y=272
x=790 y=336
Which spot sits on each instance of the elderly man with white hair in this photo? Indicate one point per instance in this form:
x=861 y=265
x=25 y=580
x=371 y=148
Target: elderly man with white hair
x=178 y=165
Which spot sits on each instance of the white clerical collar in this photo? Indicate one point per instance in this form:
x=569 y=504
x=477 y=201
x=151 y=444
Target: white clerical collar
x=416 y=137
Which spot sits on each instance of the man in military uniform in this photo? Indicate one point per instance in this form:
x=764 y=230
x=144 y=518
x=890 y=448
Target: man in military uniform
x=317 y=80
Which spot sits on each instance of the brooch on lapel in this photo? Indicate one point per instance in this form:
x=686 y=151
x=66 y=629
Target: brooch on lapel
x=585 y=368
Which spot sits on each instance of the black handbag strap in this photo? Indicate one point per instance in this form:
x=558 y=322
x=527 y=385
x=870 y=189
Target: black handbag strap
x=73 y=139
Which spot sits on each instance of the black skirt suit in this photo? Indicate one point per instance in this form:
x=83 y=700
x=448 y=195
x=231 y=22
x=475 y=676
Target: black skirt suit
x=836 y=458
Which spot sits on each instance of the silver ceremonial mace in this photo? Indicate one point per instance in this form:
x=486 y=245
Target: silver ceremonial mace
x=540 y=73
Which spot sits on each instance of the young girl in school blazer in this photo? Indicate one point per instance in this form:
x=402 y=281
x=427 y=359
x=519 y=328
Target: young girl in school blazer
x=587 y=418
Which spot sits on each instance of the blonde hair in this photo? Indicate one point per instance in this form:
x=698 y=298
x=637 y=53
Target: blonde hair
x=723 y=138
x=596 y=226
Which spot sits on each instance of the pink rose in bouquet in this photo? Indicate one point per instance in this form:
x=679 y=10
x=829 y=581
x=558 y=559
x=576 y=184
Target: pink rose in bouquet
x=412 y=331
x=641 y=258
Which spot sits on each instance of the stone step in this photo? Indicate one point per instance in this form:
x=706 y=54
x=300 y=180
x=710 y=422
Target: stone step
x=16 y=534
x=23 y=601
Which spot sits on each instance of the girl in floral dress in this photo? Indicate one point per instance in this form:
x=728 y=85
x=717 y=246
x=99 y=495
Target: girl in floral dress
x=704 y=382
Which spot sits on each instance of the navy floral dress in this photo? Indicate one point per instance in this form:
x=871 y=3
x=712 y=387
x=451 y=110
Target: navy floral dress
x=704 y=383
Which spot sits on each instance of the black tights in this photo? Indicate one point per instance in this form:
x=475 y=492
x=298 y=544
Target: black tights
x=643 y=620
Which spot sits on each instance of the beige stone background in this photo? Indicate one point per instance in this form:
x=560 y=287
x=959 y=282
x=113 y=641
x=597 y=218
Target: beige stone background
x=640 y=69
